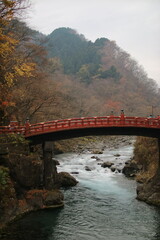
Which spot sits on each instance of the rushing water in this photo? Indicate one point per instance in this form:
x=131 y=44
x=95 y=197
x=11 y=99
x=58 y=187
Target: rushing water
x=102 y=206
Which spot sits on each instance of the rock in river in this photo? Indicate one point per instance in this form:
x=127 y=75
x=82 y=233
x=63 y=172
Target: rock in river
x=131 y=169
x=107 y=164
x=88 y=168
x=97 y=152
x=66 y=180
x=113 y=168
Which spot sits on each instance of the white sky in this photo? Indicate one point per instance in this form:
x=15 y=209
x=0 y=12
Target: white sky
x=133 y=24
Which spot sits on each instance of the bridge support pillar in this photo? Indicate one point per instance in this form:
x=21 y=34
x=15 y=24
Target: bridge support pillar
x=50 y=170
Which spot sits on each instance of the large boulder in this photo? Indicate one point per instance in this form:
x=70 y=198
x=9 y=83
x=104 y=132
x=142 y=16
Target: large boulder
x=107 y=164
x=53 y=198
x=131 y=169
x=66 y=180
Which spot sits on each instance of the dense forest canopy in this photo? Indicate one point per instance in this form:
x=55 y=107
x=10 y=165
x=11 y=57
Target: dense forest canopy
x=73 y=49
x=64 y=75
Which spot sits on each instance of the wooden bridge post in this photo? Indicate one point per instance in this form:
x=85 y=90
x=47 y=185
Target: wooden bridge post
x=111 y=118
x=122 y=117
x=27 y=125
x=50 y=170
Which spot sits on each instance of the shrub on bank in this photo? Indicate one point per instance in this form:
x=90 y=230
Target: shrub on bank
x=146 y=154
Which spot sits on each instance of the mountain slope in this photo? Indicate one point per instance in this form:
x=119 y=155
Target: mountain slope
x=73 y=49
x=114 y=79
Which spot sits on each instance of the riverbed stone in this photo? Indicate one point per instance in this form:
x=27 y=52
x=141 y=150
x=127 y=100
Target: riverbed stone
x=88 y=168
x=119 y=170
x=113 y=168
x=66 y=180
x=95 y=157
x=107 y=164
x=127 y=162
x=96 y=151
x=74 y=172
x=117 y=155
x=131 y=168
x=52 y=198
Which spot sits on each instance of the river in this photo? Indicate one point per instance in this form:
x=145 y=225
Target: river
x=102 y=206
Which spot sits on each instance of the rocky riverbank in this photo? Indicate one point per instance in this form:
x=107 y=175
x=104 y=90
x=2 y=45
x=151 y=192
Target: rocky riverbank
x=148 y=188
x=95 y=145
x=149 y=191
x=144 y=168
x=24 y=182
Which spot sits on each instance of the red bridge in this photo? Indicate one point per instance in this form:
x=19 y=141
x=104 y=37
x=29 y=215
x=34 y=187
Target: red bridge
x=77 y=127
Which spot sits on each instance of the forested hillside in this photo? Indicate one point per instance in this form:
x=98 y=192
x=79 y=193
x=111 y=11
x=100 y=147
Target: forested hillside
x=108 y=73
x=64 y=75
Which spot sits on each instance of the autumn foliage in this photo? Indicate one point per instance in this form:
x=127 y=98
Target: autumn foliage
x=13 y=66
x=146 y=154
x=63 y=75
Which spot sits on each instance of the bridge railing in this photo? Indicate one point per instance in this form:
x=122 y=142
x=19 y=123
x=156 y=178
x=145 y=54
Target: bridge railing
x=94 y=122
x=57 y=125
x=16 y=129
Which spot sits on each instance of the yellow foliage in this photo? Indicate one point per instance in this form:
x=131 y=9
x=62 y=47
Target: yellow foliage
x=25 y=69
x=12 y=65
x=9 y=4
x=7 y=44
x=9 y=78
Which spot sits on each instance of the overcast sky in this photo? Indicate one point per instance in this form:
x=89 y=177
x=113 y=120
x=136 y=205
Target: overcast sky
x=133 y=24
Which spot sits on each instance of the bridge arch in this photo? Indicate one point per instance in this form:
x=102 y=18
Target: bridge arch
x=79 y=127
x=96 y=131
x=90 y=126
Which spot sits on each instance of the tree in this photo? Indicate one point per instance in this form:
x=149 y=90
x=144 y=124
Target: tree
x=111 y=73
x=12 y=64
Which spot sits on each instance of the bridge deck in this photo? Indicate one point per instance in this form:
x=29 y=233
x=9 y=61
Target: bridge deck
x=29 y=130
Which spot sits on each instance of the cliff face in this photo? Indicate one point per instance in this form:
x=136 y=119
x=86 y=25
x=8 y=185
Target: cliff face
x=148 y=176
x=149 y=191
x=27 y=181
